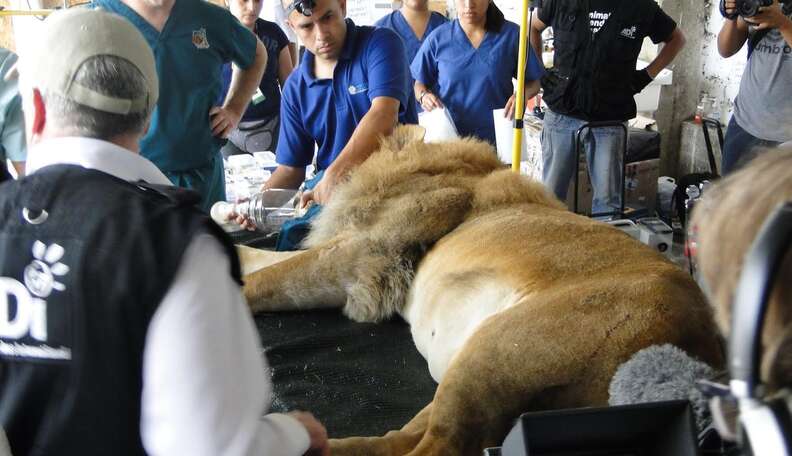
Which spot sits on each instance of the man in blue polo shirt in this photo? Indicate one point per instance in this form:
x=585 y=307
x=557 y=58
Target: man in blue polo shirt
x=191 y=40
x=352 y=87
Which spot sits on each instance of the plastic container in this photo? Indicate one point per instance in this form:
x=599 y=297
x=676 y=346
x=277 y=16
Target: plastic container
x=269 y=209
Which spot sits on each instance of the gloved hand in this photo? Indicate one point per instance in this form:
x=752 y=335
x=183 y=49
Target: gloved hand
x=640 y=79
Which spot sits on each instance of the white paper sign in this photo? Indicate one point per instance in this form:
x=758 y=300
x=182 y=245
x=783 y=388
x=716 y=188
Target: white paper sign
x=439 y=126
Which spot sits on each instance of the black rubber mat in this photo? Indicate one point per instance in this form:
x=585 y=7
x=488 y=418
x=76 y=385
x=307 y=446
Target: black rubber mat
x=359 y=379
x=255 y=239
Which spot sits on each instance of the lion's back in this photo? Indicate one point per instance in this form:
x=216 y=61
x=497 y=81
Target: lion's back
x=392 y=173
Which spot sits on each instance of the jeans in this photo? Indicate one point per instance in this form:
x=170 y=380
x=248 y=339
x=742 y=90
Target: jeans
x=604 y=156
x=739 y=147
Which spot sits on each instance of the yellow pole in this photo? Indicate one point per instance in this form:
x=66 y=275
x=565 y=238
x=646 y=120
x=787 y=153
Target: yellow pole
x=519 y=108
x=6 y=12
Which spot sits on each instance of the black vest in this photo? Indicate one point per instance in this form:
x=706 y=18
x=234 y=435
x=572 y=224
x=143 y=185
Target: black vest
x=80 y=285
x=591 y=76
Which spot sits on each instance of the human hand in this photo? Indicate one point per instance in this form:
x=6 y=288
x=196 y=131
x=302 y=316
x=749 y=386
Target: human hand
x=770 y=17
x=321 y=193
x=640 y=79
x=316 y=433
x=511 y=107
x=223 y=121
x=430 y=101
x=242 y=220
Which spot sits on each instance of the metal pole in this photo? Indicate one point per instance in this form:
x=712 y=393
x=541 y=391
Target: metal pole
x=519 y=108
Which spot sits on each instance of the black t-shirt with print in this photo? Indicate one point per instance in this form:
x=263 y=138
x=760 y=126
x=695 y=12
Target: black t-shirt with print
x=659 y=30
x=599 y=13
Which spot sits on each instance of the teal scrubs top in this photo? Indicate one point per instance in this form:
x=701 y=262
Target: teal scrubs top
x=12 y=125
x=195 y=43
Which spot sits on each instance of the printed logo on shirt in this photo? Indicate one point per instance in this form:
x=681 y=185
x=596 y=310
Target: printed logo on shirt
x=199 y=39
x=23 y=308
x=356 y=89
x=630 y=33
x=774 y=44
x=597 y=20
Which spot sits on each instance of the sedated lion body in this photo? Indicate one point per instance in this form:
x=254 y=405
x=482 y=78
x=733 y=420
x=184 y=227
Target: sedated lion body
x=516 y=303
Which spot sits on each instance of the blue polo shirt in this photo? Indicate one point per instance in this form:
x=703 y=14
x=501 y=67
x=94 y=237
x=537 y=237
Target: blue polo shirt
x=472 y=82
x=325 y=112
x=195 y=42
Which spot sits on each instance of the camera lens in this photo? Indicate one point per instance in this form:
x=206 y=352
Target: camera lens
x=748 y=8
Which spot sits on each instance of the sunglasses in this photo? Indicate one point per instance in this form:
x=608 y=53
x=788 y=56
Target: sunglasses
x=304 y=7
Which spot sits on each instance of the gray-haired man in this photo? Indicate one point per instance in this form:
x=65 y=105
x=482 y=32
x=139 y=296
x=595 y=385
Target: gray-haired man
x=122 y=325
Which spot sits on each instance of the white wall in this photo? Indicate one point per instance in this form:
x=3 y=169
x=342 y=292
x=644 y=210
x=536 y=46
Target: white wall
x=366 y=12
x=721 y=77
x=26 y=28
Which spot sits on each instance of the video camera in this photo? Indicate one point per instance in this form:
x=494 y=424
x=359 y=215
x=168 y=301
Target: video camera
x=749 y=8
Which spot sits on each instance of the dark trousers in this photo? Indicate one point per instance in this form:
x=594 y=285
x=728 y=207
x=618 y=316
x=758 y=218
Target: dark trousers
x=739 y=147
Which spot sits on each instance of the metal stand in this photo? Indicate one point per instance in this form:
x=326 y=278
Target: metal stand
x=705 y=124
x=577 y=144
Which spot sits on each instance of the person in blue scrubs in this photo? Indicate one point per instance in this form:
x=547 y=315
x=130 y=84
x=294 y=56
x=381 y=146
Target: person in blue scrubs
x=467 y=65
x=413 y=22
x=351 y=88
x=258 y=129
x=192 y=40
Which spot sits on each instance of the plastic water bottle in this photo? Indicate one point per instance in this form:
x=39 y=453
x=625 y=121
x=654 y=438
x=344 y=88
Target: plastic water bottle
x=268 y=210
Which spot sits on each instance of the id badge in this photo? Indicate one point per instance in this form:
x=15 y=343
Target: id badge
x=258 y=96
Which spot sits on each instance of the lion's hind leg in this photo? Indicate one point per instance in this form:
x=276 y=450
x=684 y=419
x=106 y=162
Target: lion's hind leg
x=528 y=357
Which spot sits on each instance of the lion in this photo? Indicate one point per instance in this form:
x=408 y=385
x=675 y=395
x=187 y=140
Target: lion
x=728 y=219
x=516 y=303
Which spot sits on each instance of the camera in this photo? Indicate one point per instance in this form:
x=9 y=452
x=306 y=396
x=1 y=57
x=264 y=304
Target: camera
x=749 y=8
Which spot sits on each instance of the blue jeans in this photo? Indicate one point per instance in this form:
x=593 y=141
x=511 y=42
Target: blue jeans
x=739 y=147
x=603 y=154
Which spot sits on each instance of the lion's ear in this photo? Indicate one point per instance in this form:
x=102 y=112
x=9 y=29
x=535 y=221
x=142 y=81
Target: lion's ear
x=402 y=136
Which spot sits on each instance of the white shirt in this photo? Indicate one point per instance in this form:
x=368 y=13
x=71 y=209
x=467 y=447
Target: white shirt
x=273 y=11
x=205 y=381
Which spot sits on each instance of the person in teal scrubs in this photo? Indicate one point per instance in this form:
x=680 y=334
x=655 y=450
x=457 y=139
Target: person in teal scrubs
x=467 y=65
x=12 y=126
x=192 y=40
x=413 y=22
